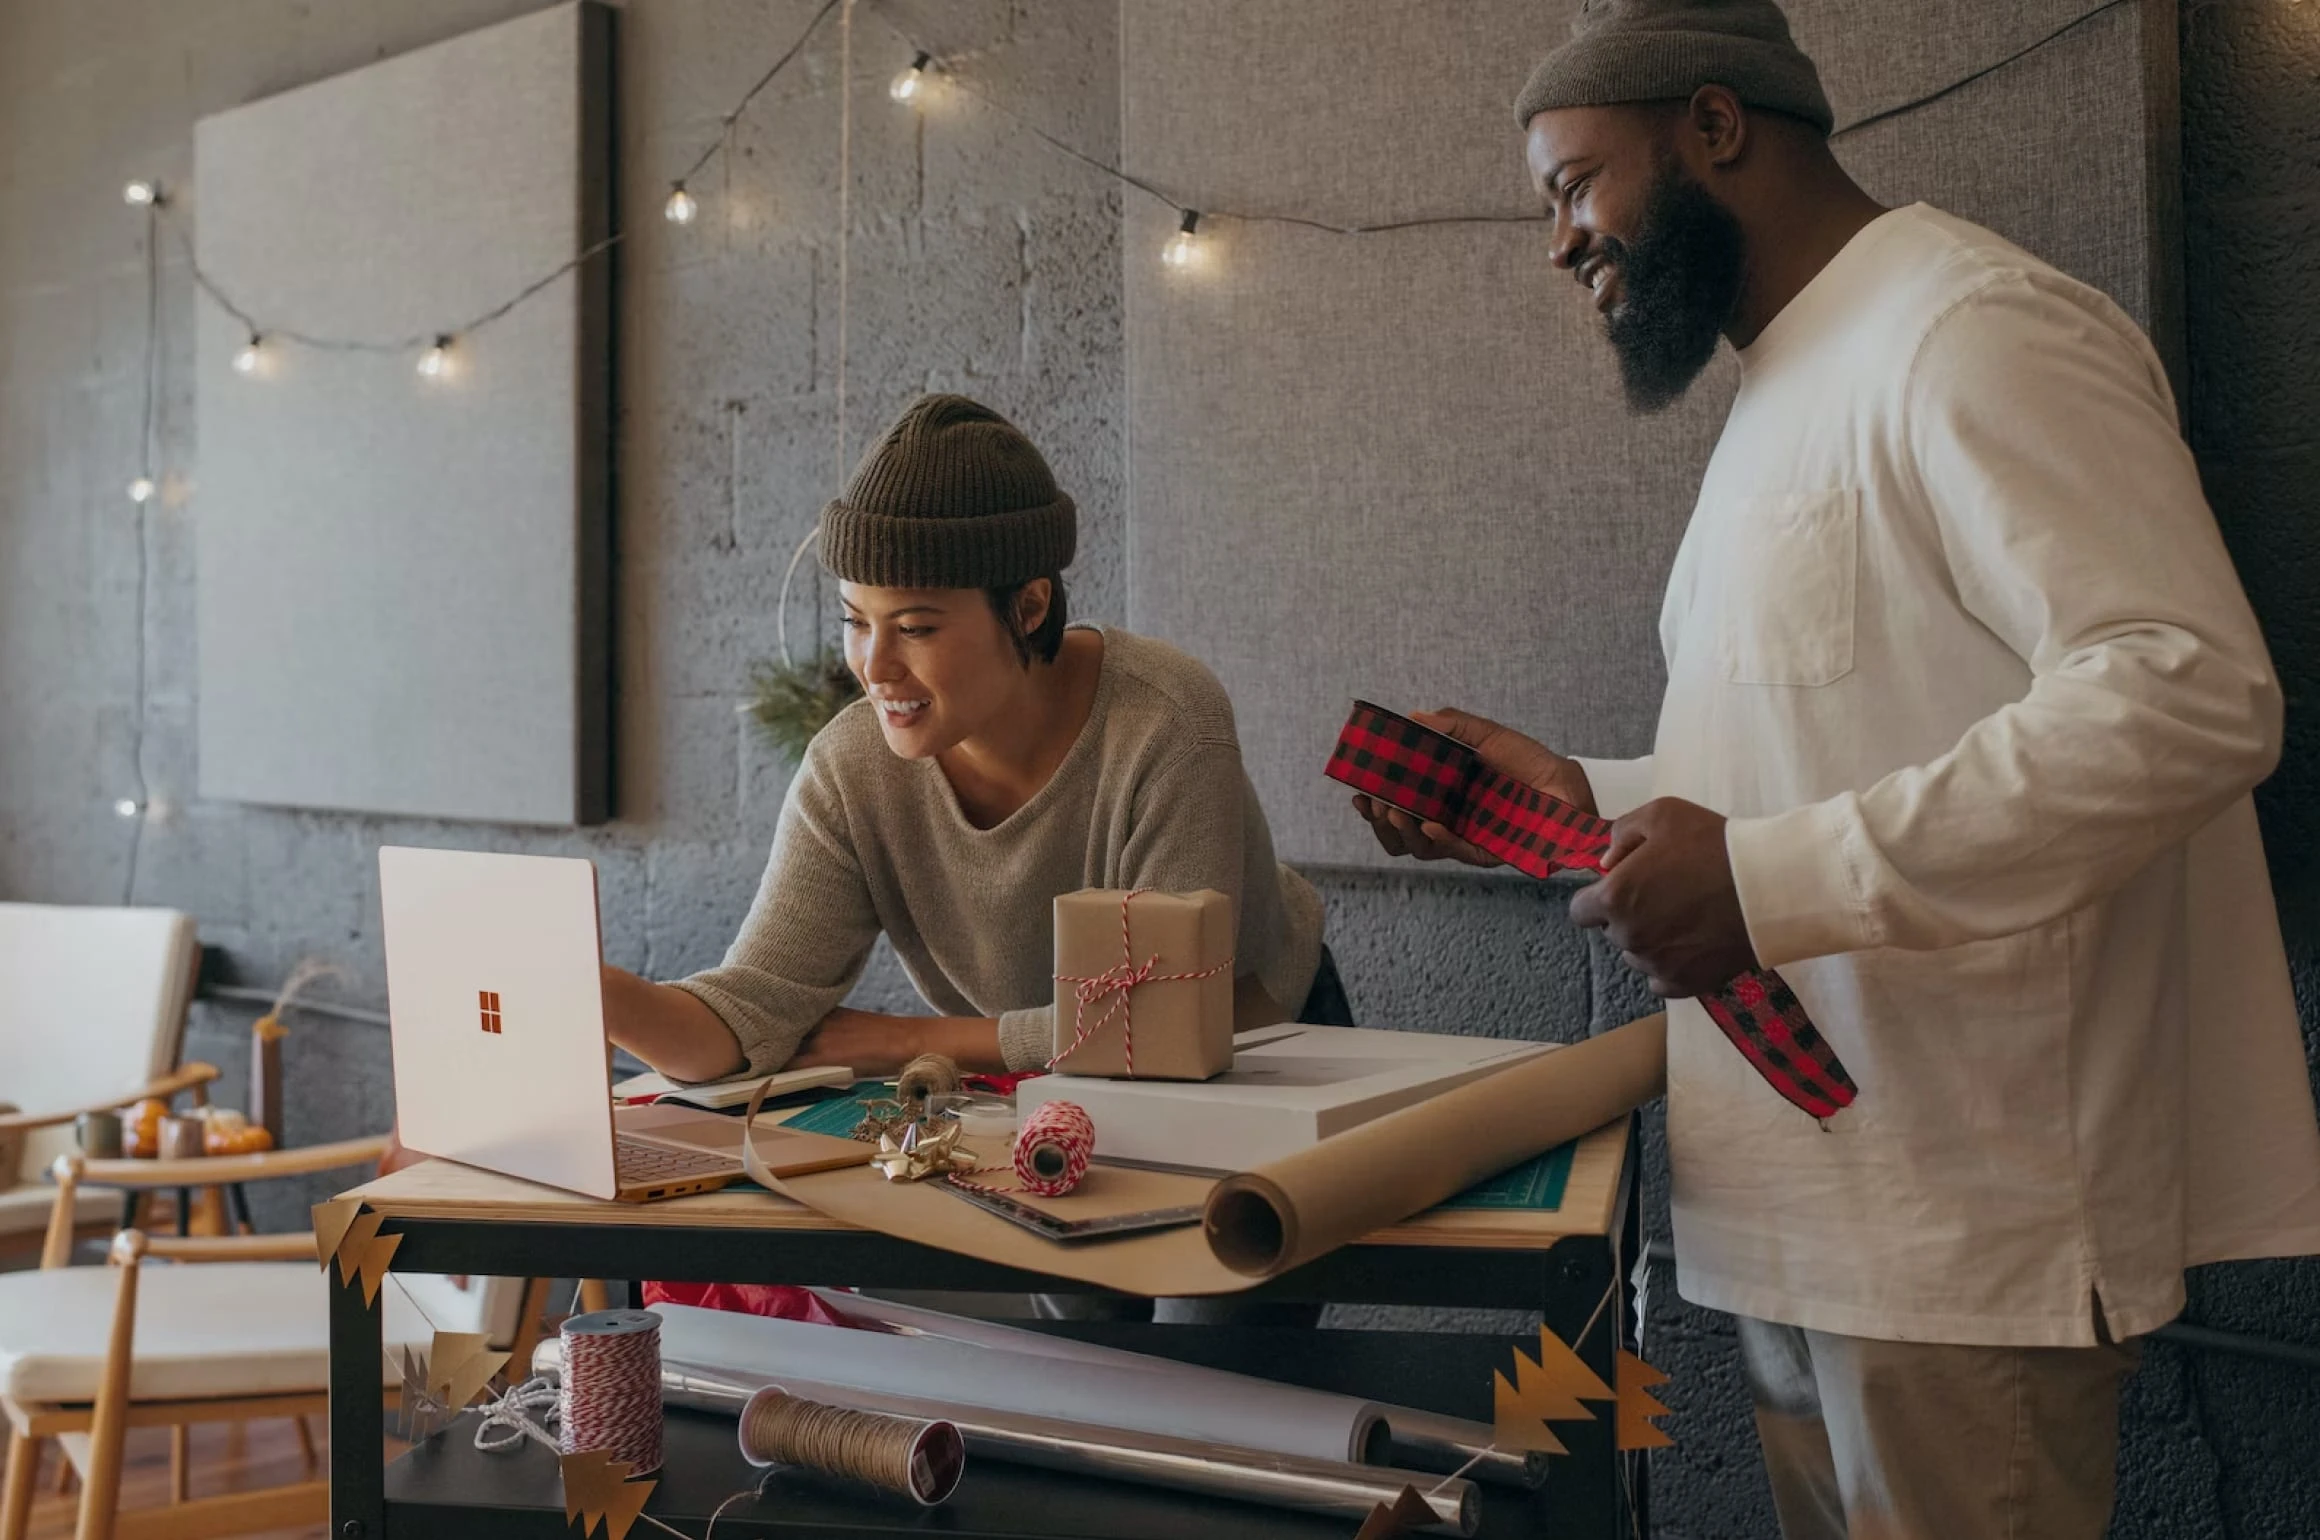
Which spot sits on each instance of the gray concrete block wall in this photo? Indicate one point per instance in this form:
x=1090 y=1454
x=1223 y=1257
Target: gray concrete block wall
x=982 y=262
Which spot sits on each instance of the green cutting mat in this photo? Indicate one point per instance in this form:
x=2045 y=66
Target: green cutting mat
x=839 y=1114
x=1535 y=1184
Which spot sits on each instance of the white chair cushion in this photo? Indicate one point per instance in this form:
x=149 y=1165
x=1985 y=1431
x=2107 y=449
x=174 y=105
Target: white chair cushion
x=25 y=1209
x=203 y=1329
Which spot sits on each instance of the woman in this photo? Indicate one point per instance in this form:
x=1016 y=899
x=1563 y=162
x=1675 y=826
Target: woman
x=1000 y=758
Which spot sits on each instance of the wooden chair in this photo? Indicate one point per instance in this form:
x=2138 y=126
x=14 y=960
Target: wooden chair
x=176 y=1331
x=92 y=1015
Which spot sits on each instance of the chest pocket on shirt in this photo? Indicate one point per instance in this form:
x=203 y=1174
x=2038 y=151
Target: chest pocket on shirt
x=1788 y=563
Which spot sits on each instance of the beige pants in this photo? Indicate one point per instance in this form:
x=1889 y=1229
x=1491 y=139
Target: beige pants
x=1868 y=1440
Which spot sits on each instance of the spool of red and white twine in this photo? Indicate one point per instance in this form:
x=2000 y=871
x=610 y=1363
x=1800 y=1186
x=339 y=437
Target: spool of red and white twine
x=611 y=1394
x=1052 y=1151
x=1053 y=1148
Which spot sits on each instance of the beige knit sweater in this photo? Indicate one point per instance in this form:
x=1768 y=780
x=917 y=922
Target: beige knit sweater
x=1152 y=795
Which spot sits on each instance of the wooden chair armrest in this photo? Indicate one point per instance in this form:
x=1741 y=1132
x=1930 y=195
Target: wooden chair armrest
x=184 y=1078
x=222 y=1170
x=298 y=1246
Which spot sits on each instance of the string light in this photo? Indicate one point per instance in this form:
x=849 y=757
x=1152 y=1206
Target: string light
x=914 y=84
x=141 y=490
x=128 y=807
x=1184 y=245
x=909 y=85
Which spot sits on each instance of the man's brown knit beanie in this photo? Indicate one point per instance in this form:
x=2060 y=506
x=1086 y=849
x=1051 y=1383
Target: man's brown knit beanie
x=1664 y=50
x=952 y=496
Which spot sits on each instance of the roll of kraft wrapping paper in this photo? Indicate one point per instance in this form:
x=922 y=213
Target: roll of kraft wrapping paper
x=1332 y=1487
x=1339 y=1190
x=1435 y=777
x=1254 y=1414
x=1266 y=1221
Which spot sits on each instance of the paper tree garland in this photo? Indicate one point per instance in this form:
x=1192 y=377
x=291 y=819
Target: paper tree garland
x=1637 y=1406
x=460 y=1365
x=597 y=1489
x=342 y=1230
x=423 y=1415
x=1548 y=1390
x=1407 y=1515
x=1555 y=1388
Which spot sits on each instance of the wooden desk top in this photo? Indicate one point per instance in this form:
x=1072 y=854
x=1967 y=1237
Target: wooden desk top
x=439 y=1189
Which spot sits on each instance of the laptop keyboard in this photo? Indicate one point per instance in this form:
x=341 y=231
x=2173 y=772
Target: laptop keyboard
x=637 y=1161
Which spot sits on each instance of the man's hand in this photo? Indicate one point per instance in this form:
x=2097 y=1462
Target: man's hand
x=1667 y=900
x=1501 y=748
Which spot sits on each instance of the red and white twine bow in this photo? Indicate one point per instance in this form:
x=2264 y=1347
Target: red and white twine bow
x=1118 y=983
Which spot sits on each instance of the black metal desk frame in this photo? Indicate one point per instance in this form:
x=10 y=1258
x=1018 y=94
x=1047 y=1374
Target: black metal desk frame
x=1593 y=1492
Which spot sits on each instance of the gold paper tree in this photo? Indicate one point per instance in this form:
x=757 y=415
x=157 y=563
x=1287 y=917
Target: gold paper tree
x=1637 y=1405
x=1548 y=1390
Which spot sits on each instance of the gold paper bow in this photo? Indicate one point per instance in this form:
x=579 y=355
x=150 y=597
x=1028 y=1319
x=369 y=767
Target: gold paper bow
x=918 y=1153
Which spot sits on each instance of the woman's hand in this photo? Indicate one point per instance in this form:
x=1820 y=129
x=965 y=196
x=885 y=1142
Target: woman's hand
x=670 y=1029
x=1501 y=748
x=875 y=1045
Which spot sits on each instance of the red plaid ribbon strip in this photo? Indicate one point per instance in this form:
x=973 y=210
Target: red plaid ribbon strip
x=1441 y=780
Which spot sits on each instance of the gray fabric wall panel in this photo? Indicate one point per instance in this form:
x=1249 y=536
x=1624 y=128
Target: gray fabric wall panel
x=401 y=581
x=1397 y=465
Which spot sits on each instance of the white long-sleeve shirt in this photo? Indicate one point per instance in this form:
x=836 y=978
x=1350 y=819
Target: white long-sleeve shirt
x=1954 y=643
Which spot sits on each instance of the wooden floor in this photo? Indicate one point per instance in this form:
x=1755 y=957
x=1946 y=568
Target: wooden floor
x=227 y=1457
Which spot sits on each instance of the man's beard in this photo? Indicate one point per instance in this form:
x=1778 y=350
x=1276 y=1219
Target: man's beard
x=1679 y=282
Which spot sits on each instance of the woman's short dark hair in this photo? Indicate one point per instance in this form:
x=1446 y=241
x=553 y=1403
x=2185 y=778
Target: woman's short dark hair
x=1043 y=643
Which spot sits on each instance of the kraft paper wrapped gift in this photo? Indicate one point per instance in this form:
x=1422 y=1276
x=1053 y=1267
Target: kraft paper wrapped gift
x=1152 y=1002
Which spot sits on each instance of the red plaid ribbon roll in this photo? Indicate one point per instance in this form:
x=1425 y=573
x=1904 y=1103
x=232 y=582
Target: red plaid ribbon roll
x=1441 y=780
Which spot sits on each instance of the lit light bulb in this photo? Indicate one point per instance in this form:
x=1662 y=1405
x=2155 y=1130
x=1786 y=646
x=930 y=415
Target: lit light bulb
x=140 y=193
x=909 y=85
x=680 y=208
x=1184 y=245
x=141 y=490
x=127 y=807
x=246 y=361
x=436 y=359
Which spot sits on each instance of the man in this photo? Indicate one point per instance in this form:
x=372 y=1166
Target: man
x=1964 y=704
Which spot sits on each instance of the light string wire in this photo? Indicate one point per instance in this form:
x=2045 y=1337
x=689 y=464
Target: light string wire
x=141 y=495
x=845 y=263
x=1206 y=212
x=721 y=144
x=725 y=125
x=845 y=225
x=262 y=331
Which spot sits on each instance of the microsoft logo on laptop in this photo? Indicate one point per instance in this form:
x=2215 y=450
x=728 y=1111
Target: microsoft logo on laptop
x=488 y=1000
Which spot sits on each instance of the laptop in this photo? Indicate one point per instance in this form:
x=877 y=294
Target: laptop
x=496 y=1009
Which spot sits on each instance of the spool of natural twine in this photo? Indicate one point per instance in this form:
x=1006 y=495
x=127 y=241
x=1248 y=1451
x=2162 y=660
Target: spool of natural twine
x=920 y=1460
x=930 y=1074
